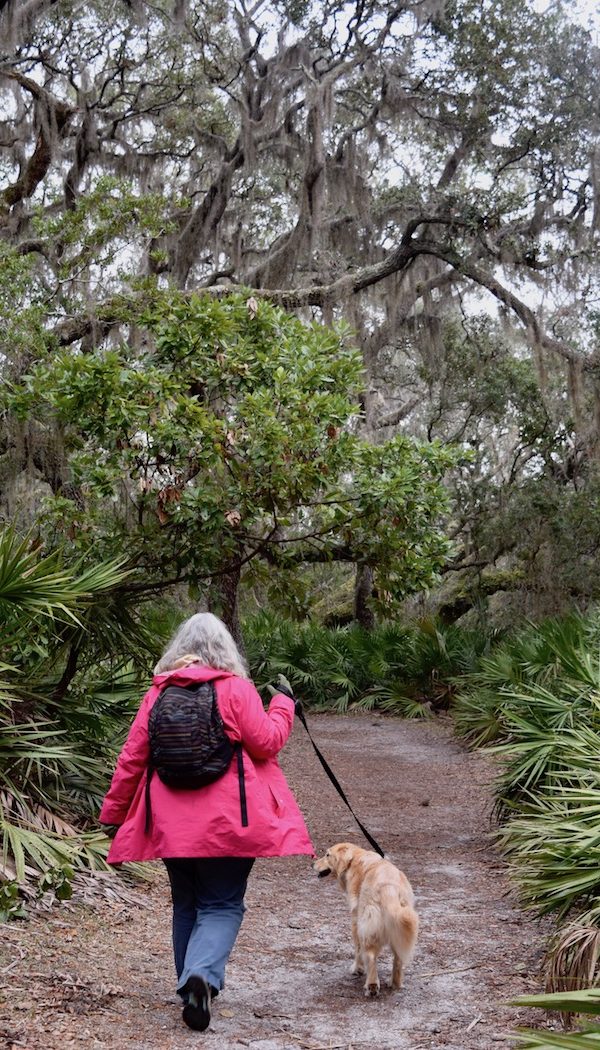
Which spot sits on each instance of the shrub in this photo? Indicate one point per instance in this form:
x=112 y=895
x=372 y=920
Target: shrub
x=535 y=703
x=65 y=701
x=406 y=670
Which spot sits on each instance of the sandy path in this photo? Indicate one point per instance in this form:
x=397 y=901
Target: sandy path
x=103 y=978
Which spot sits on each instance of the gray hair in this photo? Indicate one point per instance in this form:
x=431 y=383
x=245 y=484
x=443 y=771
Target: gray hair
x=203 y=639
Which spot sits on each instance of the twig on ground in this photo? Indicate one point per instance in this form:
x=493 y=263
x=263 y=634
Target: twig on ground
x=475 y=1021
x=441 y=973
x=333 y=1046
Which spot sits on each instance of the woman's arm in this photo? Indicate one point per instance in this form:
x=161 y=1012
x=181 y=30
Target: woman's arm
x=131 y=764
x=262 y=733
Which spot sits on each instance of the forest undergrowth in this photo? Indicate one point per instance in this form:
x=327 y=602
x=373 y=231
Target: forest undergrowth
x=531 y=698
x=534 y=702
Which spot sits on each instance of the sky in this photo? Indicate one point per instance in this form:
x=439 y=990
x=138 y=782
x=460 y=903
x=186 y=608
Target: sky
x=586 y=12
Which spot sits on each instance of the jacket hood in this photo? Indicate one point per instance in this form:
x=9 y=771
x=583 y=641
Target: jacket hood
x=193 y=673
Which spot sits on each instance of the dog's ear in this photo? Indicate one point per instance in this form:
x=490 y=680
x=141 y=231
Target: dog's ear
x=344 y=857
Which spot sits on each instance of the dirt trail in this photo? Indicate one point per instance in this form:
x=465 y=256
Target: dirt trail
x=103 y=978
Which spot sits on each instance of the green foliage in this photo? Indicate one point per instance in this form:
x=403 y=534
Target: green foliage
x=493 y=111
x=58 y=880
x=535 y=701
x=404 y=670
x=530 y=490
x=38 y=586
x=521 y=676
x=586 y=1001
x=97 y=236
x=480 y=373
x=11 y=902
x=230 y=438
x=58 y=730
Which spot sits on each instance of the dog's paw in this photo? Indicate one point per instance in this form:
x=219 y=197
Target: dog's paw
x=357 y=970
x=372 y=990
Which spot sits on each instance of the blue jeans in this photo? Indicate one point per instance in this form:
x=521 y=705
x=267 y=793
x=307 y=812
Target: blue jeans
x=208 y=908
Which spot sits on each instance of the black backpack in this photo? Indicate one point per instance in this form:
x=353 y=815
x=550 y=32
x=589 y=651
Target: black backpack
x=188 y=744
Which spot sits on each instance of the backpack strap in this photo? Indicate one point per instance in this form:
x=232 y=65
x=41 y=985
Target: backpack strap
x=148 y=800
x=242 y=783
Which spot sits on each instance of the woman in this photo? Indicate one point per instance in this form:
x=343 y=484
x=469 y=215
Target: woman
x=207 y=847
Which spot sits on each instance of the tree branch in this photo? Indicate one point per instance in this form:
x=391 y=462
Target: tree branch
x=112 y=312
x=54 y=118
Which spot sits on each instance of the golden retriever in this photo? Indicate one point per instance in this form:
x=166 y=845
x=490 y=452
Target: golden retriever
x=382 y=907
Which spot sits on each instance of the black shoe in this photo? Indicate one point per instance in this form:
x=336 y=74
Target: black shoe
x=196 y=1012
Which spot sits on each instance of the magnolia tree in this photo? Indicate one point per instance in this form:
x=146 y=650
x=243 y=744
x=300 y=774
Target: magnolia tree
x=225 y=440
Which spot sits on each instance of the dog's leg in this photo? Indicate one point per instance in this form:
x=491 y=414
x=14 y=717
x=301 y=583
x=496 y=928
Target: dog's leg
x=372 y=981
x=357 y=965
x=397 y=972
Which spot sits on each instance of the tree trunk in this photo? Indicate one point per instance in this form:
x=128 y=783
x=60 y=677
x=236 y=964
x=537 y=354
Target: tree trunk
x=363 y=590
x=223 y=602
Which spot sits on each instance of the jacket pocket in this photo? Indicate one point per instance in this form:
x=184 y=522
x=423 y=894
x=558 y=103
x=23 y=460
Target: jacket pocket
x=276 y=802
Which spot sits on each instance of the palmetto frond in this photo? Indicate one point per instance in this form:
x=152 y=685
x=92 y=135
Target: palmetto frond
x=396 y=667
x=54 y=756
x=536 y=700
x=586 y=1001
x=574 y=954
x=32 y=585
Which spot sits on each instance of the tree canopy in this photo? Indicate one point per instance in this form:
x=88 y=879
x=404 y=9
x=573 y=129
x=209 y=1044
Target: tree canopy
x=228 y=437
x=314 y=152
x=404 y=167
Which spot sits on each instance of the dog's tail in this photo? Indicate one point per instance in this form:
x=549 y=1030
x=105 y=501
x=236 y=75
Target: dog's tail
x=402 y=924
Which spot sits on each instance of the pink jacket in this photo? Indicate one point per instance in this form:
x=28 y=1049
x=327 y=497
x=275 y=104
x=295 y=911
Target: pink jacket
x=206 y=822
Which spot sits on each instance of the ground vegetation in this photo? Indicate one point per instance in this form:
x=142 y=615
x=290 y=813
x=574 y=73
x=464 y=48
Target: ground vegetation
x=533 y=702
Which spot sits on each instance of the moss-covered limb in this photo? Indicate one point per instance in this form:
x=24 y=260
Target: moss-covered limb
x=470 y=594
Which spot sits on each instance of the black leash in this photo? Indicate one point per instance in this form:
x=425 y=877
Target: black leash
x=338 y=787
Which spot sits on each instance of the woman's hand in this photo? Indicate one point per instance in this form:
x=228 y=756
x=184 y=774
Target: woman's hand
x=283 y=686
